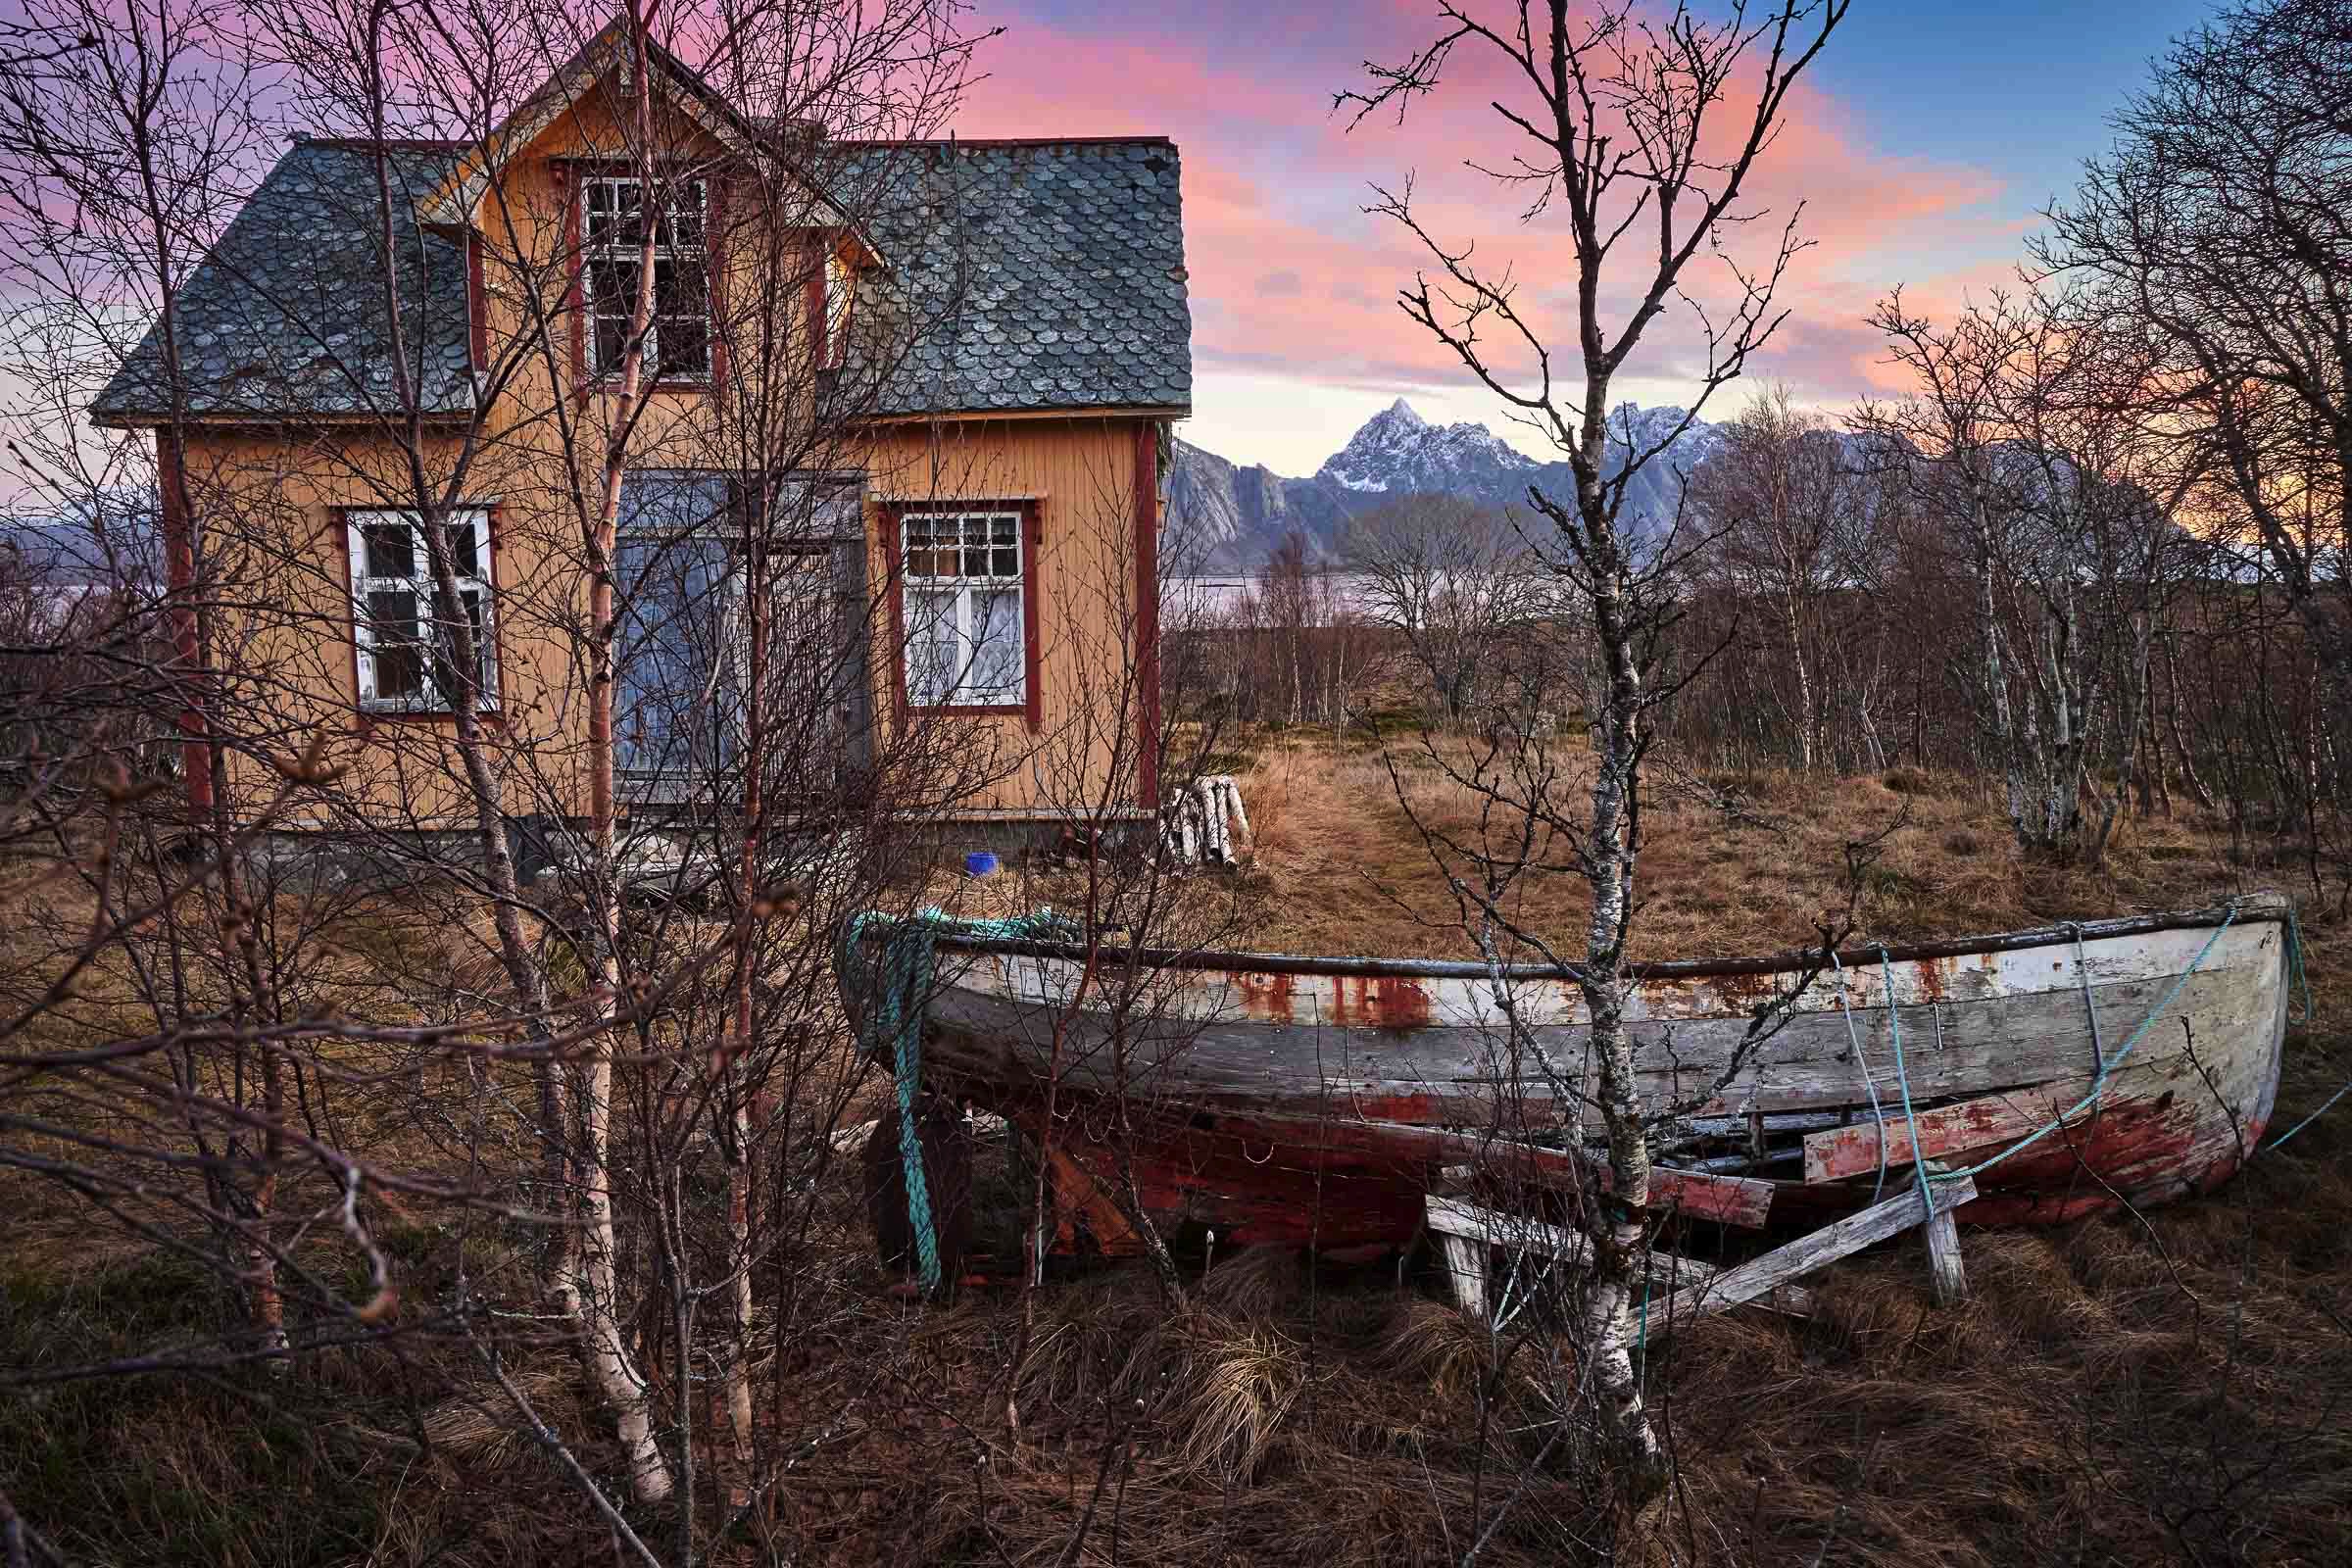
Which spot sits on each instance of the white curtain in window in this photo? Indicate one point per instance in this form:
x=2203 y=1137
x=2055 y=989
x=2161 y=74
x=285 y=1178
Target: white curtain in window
x=996 y=652
x=934 y=646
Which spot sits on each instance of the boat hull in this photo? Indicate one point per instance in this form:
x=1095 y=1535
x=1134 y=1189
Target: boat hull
x=1317 y=1100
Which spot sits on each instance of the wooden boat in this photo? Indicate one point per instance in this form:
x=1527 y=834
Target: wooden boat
x=1315 y=1099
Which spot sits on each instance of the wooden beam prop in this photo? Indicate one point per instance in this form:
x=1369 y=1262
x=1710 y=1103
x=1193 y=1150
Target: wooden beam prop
x=1745 y=1282
x=1466 y=1262
x=1946 y=1279
x=1466 y=1225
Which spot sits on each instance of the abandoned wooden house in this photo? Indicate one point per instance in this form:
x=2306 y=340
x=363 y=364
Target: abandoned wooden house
x=922 y=389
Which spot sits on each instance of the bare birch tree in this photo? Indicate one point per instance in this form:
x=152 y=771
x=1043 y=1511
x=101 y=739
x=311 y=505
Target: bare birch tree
x=1457 y=581
x=1773 y=501
x=1642 y=133
x=2027 y=442
x=2221 y=224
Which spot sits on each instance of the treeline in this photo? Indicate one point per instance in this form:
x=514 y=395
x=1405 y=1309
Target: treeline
x=1847 y=604
x=2099 y=555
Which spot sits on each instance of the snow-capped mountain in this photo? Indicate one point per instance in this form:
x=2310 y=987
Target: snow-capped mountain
x=1224 y=517
x=1398 y=452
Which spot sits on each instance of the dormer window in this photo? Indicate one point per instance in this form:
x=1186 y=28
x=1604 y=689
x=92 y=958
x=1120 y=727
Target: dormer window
x=677 y=337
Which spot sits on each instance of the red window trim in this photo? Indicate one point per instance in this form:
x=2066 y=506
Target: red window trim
x=570 y=175
x=370 y=717
x=1031 y=709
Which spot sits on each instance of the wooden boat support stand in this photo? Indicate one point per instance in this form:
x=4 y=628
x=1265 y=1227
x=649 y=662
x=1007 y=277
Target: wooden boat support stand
x=2032 y=1077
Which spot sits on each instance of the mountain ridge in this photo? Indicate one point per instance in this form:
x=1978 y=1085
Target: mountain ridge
x=1225 y=516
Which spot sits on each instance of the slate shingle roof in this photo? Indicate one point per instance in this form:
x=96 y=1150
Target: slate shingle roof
x=286 y=317
x=1036 y=276
x=1039 y=274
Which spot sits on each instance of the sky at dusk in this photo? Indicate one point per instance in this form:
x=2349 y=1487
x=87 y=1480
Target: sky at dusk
x=1923 y=143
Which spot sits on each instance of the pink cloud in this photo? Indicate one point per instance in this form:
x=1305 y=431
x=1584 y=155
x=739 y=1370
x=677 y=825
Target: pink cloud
x=1289 y=275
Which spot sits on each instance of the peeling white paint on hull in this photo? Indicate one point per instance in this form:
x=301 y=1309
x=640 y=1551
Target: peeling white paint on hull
x=1273 y=1097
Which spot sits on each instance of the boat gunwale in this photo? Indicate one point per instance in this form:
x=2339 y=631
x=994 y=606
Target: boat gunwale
x=2256 y=907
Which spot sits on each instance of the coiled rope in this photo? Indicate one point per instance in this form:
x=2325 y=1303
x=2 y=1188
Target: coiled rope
x=896 y=986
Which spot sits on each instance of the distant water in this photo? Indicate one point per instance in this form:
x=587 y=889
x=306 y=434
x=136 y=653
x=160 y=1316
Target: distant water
x=1218 y=597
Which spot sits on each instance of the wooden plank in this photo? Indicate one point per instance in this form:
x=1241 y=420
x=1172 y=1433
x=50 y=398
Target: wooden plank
x=1729 y=1200
x=1745 y=1282
x=1375 y=995
x=1455 y=1220
x=1457 y=1075
x=1841 y=1152
x=1947 y=1280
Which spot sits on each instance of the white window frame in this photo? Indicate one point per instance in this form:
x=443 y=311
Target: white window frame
x=365 y=583
x=631 y=251
x=967 y=589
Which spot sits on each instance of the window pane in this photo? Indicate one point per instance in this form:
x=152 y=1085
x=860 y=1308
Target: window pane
x=975 y=561
x=620 y=218
x=462 y=557
x=683 y=344
x=934 y=651
x=921 y=559
x=996 y=659
x=686 y=215
x=676 y=594
x=609 y=336
x=1000 y=530
x=612 y=285
x=1005 y=562
x=394 y=638
x=680 y=289
x=391 y=550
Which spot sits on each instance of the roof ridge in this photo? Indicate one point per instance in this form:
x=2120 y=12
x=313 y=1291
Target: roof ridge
x=390 y=144
x=1007 y=141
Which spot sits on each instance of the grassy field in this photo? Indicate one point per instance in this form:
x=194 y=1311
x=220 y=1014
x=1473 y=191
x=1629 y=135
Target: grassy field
x=2128 y=1390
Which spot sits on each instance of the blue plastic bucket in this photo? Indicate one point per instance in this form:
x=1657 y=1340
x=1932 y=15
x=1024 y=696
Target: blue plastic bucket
x=980 y=863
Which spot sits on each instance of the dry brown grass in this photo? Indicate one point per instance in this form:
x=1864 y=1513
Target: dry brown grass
x=2122 y=1390
x=1345 y=870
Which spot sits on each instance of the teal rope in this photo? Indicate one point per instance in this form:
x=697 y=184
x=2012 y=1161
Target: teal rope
x=1854 y=1038
x=2098 y=1083
x=2294 y=955
x=896 y=987
x=1642 y=1344
x=2294 y=959
x=1902 y=1079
